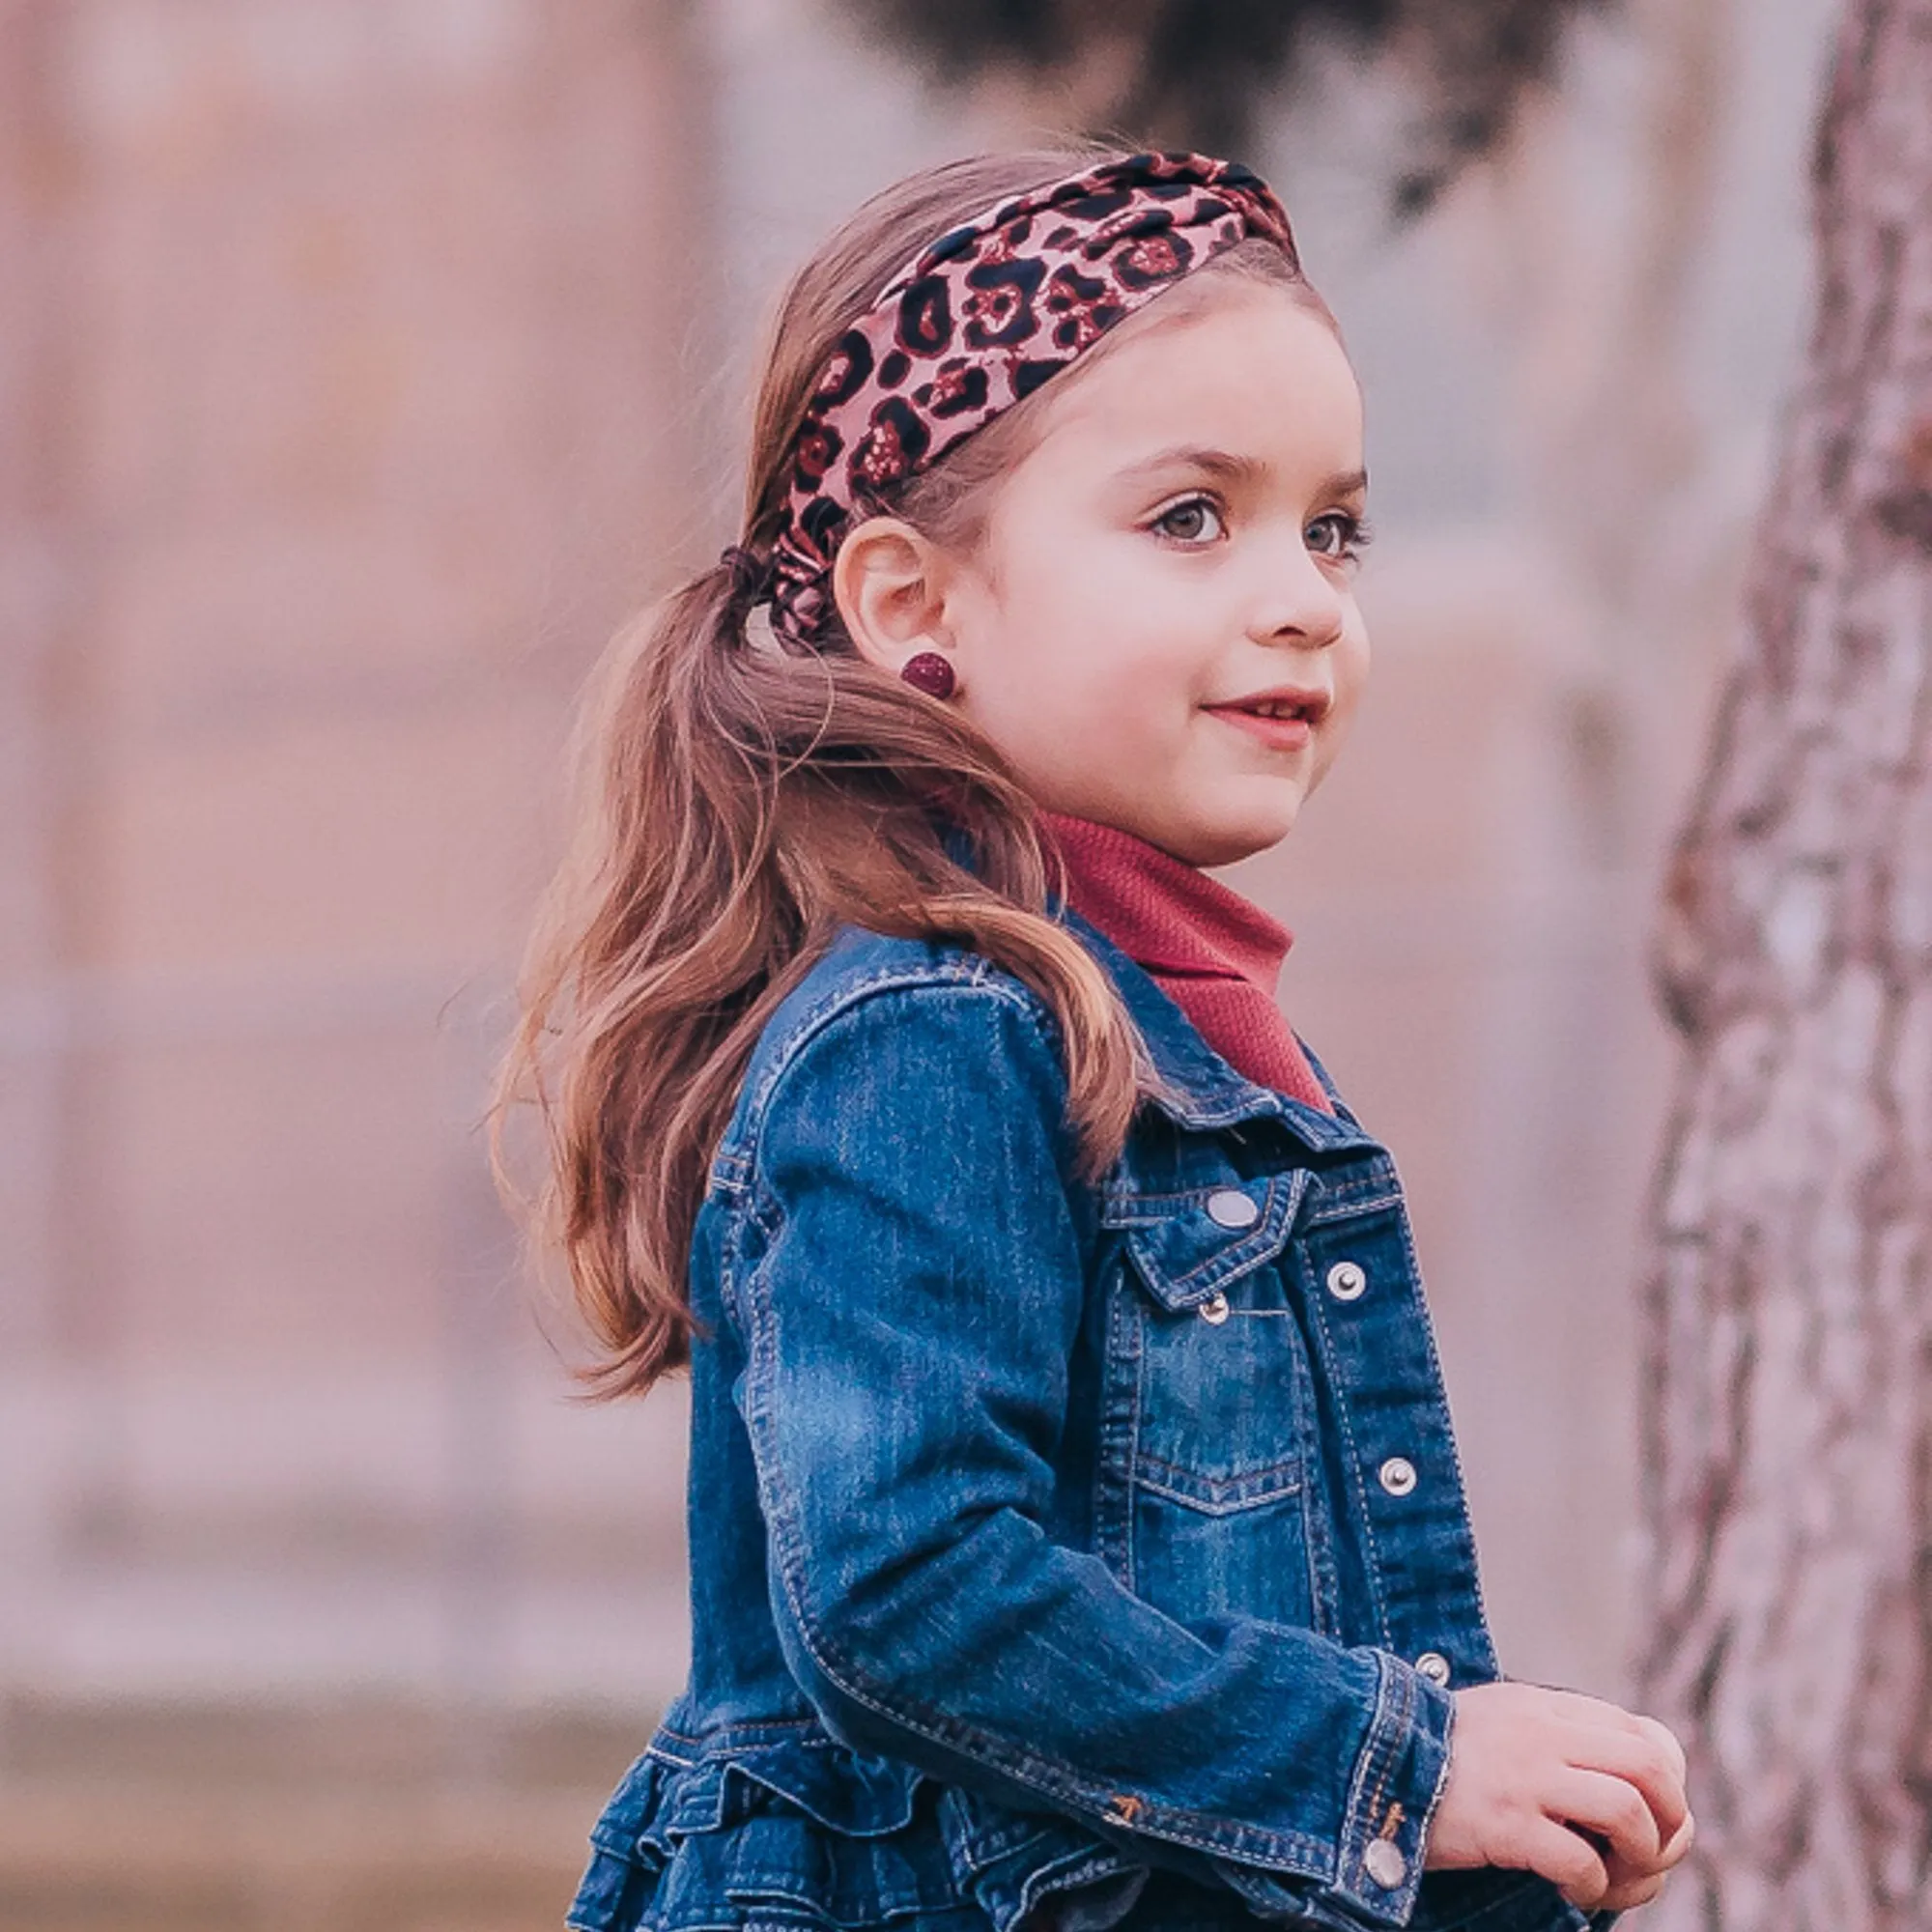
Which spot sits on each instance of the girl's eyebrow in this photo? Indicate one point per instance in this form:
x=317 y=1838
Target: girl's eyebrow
x=1228 y=467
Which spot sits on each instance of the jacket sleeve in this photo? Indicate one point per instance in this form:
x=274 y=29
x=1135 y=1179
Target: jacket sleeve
x=910 y=1299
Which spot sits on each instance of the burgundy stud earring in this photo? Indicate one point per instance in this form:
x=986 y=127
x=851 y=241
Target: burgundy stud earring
x=929 y=673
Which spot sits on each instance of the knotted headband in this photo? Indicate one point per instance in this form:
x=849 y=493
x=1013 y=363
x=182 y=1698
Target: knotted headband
x=975 y=322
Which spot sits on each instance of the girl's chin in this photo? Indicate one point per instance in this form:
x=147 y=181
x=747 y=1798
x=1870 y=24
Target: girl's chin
x=1228 y=839
x=1263 y=814
x=1220 y=824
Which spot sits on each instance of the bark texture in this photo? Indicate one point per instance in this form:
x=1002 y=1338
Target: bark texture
x=1788 y=1627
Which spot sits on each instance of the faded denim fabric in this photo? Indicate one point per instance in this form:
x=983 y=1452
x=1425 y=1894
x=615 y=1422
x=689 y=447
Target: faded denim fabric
x=1061 y=1554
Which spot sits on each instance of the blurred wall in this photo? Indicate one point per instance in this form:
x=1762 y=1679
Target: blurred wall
x=348 y=365
x=364 y=361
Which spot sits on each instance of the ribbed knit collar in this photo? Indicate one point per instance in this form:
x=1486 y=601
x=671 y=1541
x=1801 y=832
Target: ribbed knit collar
x=1163 y=913
x=1215 y=953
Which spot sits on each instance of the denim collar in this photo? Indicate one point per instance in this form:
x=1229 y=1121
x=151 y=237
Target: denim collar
x=1196 y=1087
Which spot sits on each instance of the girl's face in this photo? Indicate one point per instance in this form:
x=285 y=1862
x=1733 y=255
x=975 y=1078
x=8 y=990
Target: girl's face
x=1172 y=561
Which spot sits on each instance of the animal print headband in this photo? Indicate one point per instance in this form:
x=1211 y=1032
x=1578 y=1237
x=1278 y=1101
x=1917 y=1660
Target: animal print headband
x=976 y=322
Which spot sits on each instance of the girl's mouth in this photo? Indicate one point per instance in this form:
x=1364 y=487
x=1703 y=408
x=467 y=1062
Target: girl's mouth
x=1283 y=723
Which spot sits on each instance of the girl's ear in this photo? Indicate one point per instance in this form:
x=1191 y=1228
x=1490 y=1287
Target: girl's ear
x=888 y=581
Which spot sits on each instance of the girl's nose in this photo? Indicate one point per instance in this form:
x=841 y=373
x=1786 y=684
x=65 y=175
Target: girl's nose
x=1299 y=602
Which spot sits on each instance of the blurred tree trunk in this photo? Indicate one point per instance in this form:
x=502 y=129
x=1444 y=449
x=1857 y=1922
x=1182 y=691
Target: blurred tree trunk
x=1788 y=1393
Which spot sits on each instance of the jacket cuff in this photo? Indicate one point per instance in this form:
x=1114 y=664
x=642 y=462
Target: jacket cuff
x=1399 y=1776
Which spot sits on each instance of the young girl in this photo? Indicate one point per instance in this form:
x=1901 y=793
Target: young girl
x=1077 y=1533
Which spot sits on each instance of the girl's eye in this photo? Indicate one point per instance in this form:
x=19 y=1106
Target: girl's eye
x=1339 y=534
x=1193 y=520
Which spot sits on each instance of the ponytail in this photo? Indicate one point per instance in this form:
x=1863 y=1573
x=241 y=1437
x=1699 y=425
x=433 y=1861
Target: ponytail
x=740 y=804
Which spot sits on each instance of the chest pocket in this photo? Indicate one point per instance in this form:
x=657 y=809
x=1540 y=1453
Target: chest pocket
x=1210 y=1355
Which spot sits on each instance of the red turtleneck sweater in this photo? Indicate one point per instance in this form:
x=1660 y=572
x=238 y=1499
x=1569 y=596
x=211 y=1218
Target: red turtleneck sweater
x=1214 y=954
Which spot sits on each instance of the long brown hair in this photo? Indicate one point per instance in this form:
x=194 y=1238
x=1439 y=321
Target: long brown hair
x=740 y=803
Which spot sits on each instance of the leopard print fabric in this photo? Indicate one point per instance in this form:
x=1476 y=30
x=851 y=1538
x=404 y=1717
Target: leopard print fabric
x=976 y=322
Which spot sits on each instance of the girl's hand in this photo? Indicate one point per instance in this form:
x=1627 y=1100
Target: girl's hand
x=1550 y=1781
x=1628 y=1888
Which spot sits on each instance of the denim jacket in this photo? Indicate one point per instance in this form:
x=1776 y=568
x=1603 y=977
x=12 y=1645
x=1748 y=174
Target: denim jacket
x=1062 y=1554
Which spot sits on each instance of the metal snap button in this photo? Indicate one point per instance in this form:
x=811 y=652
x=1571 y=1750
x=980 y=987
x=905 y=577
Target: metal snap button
x=1230 y=1208
x=1215 y=1308
x=1398 y=1475
x=1434 y=1665
x=1384 y=1862
x=1346 y=1281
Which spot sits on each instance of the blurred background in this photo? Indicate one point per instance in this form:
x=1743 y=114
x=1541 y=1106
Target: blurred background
x=363 y=363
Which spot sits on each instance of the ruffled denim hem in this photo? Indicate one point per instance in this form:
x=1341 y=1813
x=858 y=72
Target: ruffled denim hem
x=782 y=1827
x=795 y=1830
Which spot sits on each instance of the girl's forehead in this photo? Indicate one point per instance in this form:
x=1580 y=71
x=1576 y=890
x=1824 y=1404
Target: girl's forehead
x=1257 y=375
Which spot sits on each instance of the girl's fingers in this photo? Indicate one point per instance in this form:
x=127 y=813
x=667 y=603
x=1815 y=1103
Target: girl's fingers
x=1624 y=1876
x=1638 y=1761
x=1624 y=1897
x=1613 y=1808
x=1678 y=1843
x=1661 y=1738
x=1597 y=1713
x=1569 y=1863
x=1665 y=1740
